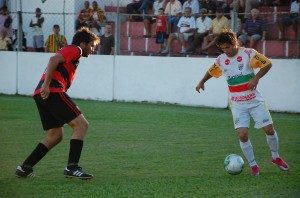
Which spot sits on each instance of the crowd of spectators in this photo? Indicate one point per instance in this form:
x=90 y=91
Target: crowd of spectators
x=194 y=23
x=211 y=17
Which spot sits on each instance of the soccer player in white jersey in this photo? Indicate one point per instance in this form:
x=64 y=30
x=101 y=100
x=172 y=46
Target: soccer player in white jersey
x=237 y=65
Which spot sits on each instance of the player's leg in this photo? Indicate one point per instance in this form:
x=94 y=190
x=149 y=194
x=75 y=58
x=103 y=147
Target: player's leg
x=263 y=119
x=241 y=119
x=54 y=136
x=80 y=127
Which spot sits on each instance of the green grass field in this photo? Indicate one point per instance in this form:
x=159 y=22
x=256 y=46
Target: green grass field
x=146 y=150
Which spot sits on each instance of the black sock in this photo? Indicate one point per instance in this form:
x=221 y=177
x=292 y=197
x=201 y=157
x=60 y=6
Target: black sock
x=75 y=152
x=37 y=154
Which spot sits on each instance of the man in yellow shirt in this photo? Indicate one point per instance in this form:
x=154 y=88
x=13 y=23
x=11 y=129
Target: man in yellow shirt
x=55 y=41
x=218 y=24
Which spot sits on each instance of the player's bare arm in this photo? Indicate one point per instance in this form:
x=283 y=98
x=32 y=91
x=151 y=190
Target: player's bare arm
x=252 y=84
x=200 y=85
x=52 y=65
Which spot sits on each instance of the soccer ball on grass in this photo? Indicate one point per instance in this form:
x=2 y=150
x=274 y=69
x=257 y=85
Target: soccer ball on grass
x=234 y=164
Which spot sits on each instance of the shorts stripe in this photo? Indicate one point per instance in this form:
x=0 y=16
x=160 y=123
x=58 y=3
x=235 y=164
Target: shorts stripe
x=70 y=104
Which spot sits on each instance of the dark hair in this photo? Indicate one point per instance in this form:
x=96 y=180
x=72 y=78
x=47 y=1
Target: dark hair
x=84 y=35
x=161 y=9
x=226 y=36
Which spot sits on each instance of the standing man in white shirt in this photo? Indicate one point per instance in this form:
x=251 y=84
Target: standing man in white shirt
x=36 y=25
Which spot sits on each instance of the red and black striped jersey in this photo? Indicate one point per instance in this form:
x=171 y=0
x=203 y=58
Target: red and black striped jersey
x=64 y=74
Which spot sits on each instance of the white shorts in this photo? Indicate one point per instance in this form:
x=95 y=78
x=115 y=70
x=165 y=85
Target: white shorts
x=185 y=36
x=38 y=41
x=243 y=112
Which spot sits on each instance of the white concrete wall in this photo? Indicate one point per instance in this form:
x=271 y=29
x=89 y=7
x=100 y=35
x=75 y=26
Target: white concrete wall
x=152 y=79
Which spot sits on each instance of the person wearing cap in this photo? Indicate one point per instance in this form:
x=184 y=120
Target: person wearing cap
x=36 y=25
x=203 y=24
x=217 y=26
x=253 y=31
x=55 y=41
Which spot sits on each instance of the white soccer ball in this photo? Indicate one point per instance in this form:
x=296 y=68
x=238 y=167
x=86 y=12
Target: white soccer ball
x=234 y=164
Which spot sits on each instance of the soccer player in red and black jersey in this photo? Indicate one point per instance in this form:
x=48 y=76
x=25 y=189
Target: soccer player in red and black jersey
x=56 y=108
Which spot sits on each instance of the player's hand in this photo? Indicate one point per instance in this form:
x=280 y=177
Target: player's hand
x=45 y=91
x=200 y=86
x=252 y=84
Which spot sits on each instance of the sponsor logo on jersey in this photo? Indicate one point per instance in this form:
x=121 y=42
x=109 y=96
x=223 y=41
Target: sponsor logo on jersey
x=243 y=98
x=239 y=59
x=260 y=59
x=241 y=66
x=227 y=62
x=235 y=76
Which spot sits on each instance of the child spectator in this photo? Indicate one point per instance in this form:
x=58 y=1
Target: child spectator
x=55 y=41
x=161 y=28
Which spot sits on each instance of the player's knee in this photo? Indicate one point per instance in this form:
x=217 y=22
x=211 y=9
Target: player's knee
x=269 y=129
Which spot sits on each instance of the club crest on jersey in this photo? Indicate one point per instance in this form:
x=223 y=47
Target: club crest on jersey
x=239 y=59
x=227 y=62
x=241 y=66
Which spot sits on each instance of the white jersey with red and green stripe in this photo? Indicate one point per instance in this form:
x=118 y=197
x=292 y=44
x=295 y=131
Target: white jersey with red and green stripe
x=238 y=70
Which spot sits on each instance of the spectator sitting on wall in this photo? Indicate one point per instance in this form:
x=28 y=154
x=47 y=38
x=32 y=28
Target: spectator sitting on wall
x=6 y=22
x=5 y=41
x=254 y=30
x=36 y=25
x=107 y=44
x=98 y=20
x=291 y=19
x=173 y=10
x=55 y=41
x=203 y=24
x=85 y=16
x=133 y=8
x=161 y=28
x=15 y=42
x=147 y=9
x=186 y=26
x=217 y=26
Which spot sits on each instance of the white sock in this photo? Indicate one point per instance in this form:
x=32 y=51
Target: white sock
x=273 y=144
x=248 y=152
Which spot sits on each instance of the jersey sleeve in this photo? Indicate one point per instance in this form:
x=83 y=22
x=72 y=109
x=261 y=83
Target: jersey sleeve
x=215 y=70
x=258 y=60
x=70 y=53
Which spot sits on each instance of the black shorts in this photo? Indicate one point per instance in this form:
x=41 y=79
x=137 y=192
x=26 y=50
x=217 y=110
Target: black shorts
x=57 y=110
